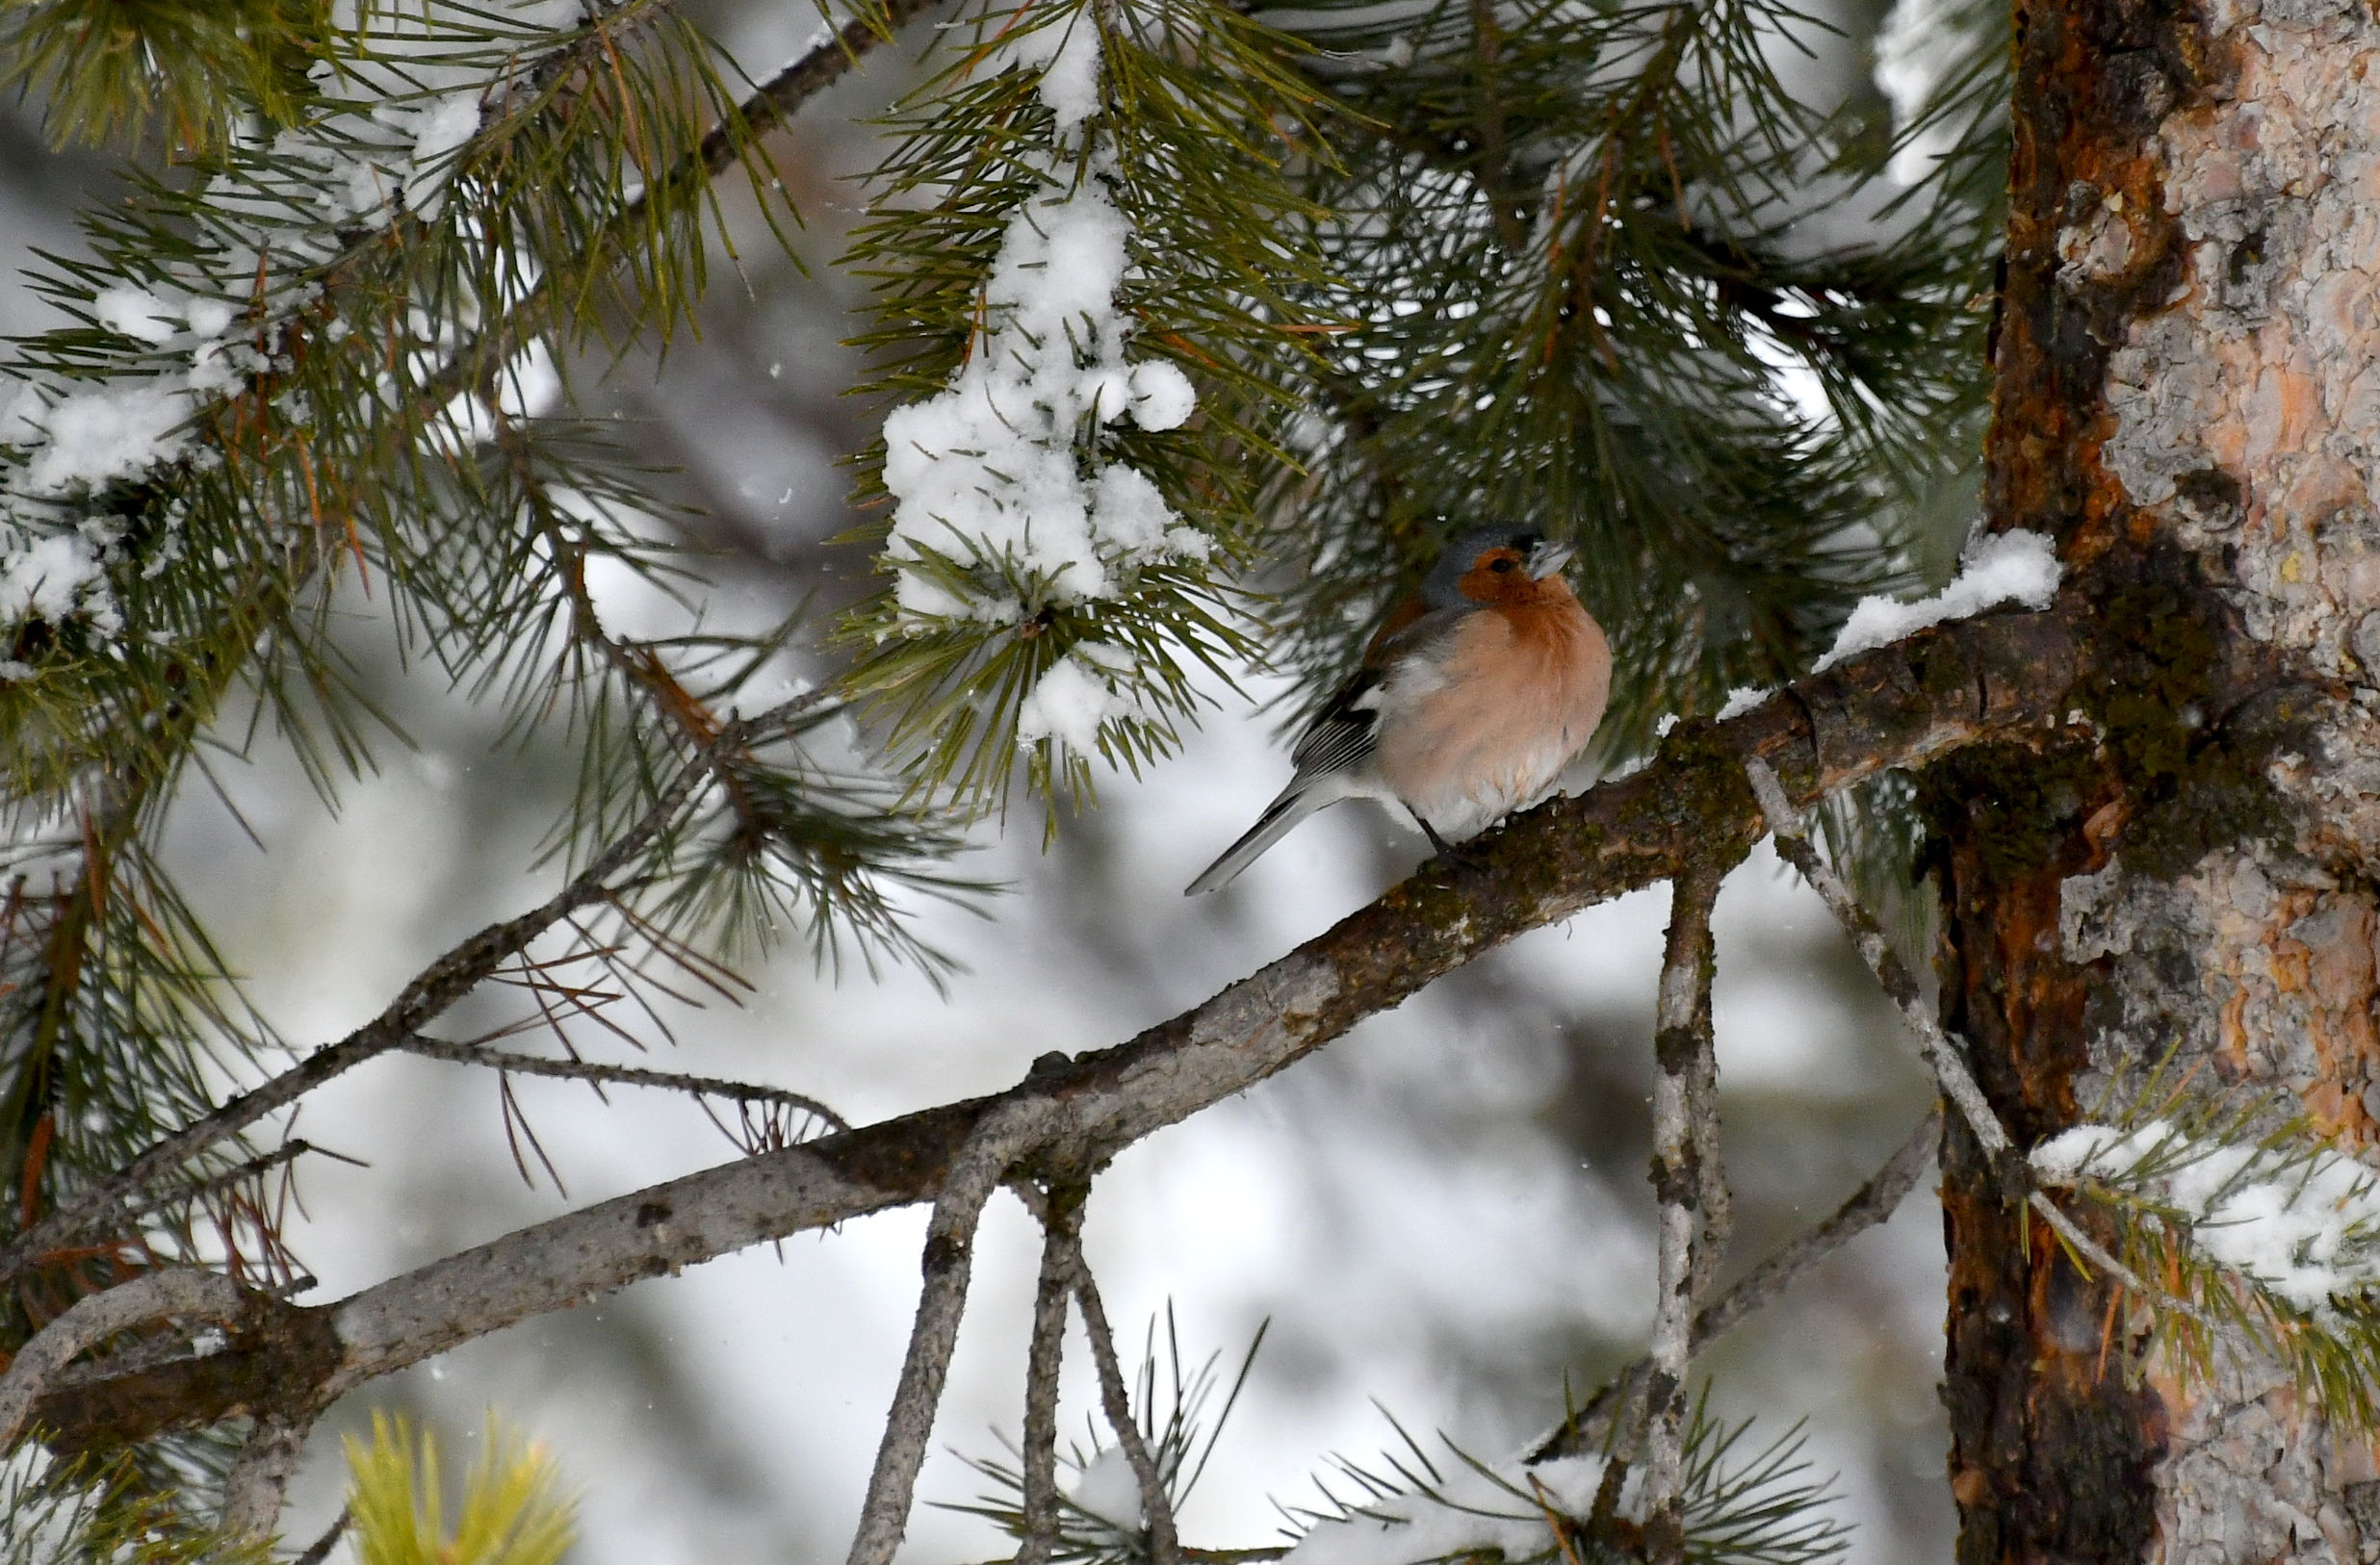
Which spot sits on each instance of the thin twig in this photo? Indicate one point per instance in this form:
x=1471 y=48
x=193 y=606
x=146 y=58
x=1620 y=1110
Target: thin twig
x=319 y=1549
x=1062 y=1222
x=2091 y=1250
x=1587 y=1428
x=1003 y=1136
x=1685 y=1173
x=1156 y=1505
x=587 y=1070
x=1943 y=1054
x=1871 y=1204
x=289 y=1151
x=159 y=1295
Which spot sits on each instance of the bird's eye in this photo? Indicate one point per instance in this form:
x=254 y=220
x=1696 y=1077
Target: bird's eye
x=1503 y=563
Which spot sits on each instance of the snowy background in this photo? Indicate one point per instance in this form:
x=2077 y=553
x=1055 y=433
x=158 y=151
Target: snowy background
x=1442 y=1214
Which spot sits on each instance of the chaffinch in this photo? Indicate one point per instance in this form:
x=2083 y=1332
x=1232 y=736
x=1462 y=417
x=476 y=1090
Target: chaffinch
x=1472 y=697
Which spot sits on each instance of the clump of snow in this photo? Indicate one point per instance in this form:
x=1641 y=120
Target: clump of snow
x=1074 y=695
x=1110 y=1490
x=2305 y=1230
x=1744 y=699
x=110 y=431
x=988 y=474
x=135 y=312
x=1067 y=54
x=56 y=577
x=208 y=317
x=1998 y=568
x=1469 y=1511
x=443 y=125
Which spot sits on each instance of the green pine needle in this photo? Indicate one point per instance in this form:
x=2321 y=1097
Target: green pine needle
x=514 y=1509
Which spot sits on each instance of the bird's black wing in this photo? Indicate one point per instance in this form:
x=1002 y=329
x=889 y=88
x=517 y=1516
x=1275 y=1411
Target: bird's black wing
x=1342 y=736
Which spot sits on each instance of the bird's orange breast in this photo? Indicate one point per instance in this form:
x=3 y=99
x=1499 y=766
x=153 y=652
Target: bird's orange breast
x=1516 y=693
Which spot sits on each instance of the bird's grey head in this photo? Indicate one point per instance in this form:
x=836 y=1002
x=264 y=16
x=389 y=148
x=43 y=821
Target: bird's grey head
x=1442 y=587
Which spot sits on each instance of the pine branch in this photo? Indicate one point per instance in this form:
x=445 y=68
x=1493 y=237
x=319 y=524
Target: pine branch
x=438 y=986
x=770 y=105
x=1901 y=705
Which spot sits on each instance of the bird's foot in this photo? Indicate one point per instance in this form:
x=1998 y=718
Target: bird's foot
x=1459 y=855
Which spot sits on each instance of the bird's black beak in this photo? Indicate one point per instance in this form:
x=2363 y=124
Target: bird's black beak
x=1548 y=558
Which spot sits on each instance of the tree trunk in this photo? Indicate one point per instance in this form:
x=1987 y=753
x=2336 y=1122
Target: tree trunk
x=2187 y=369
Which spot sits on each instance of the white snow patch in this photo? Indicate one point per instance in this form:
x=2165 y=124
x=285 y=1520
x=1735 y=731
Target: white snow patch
x=135 y=312
x=1072 y=699
x=54 y=578
x=2306 y=1232
x=110 y=431
x=444 y=126
x=1067 y=54
x=1471 y=1512
x=987 y=473
x=1161 y=396
x=1110 y=1490
x=1998 y=568
x=1744 y=699
x=209 y=318
x=17 y=407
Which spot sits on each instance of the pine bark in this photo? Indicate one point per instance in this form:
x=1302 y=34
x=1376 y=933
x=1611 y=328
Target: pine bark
x=2187 y=370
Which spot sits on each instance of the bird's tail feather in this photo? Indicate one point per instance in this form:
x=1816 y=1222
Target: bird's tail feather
x=1296 y=801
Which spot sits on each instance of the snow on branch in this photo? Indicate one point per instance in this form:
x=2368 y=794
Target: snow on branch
x=2300 y=1219
x=1007 y=502
x=2015 y=566
x=176 y=328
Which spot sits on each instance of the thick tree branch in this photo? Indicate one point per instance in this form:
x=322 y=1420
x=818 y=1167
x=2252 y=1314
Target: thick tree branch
x=1897 y=707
